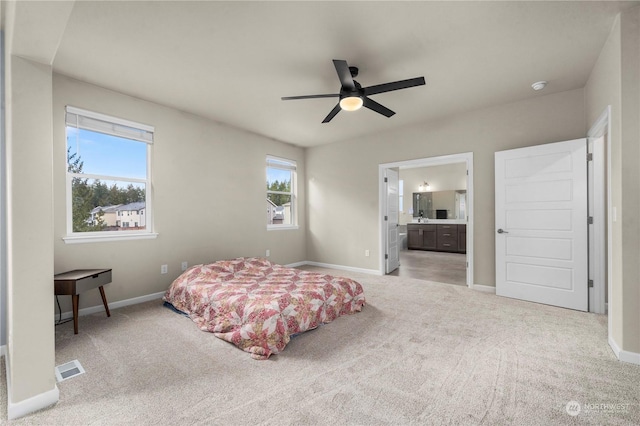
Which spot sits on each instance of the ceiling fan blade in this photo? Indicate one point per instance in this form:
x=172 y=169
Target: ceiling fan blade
x=344 y=74
x=374 y=106
x=396 y=85
x=332 y=114
x=291 y=98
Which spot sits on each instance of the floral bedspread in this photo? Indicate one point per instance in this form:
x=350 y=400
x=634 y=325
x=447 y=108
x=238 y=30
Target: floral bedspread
x=258 y=305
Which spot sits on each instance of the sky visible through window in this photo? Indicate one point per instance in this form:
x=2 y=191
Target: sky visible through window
x=108 y=155
x=277 y=175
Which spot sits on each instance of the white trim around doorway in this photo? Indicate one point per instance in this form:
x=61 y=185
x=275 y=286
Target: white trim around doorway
x=467 y=158
x=602 y=127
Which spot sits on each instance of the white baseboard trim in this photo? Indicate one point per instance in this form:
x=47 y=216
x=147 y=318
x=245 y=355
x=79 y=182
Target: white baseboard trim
x=340 y=267
x=484 y=288
x=295 y=264
x=624 y=356
x=29 y=405
x=114 y=305
x=3 y=350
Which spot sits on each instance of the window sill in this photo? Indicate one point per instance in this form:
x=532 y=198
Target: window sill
x=281 y=227
x=81 y=239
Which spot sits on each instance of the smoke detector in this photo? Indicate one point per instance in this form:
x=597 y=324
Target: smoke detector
x=539 y=85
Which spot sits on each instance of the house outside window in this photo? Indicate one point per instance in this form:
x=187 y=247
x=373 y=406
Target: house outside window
x=281 y=193
x=108 y=176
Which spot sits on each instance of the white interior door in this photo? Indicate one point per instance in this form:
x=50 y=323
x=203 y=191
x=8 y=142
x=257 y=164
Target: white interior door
x=541 y=224
x=392 y=253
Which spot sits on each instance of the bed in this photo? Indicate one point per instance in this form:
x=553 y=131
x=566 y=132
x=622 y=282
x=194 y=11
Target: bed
x=258 y=305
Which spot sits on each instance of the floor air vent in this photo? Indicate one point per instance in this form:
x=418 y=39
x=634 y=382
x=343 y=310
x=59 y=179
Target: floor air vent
x=68 y=370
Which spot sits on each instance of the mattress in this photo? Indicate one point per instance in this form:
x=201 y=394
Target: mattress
x=258 y=305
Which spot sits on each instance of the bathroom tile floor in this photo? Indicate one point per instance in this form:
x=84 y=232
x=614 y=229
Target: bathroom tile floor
x=436 y=266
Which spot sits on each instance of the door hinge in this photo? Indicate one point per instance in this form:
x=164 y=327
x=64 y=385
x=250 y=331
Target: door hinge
x=386 y=256
x=386 y=180
x=467 y=172
x=590 y=220
x=386 y=218
x=590 y=283
x=589 y=156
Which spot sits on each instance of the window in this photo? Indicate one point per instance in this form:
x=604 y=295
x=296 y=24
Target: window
x=281 y=193
x=108 y=173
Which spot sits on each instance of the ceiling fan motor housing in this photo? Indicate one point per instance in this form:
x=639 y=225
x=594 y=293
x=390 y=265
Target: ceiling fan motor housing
x=358 y=92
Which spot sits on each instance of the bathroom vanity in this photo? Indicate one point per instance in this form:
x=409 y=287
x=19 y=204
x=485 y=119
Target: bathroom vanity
x=437 y=235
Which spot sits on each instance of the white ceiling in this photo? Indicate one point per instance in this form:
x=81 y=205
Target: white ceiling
x=232 y=61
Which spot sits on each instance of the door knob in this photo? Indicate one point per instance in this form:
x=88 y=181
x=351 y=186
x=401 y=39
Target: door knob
x=502 y=231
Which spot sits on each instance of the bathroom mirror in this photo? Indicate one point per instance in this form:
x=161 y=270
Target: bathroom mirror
x=440 y=204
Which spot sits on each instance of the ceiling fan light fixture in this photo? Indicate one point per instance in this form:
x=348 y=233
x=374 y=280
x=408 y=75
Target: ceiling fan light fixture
x=351 y=103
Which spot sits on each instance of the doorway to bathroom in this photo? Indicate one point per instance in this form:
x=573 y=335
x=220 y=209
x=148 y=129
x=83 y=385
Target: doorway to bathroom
x=433 y=238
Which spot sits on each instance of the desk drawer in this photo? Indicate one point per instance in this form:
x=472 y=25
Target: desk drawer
x=94 y=281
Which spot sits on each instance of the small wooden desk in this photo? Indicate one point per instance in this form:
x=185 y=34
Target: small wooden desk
x=74 y=282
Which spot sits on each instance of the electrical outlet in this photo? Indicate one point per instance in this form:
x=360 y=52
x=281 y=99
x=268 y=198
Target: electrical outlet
x=184 y=265
x=164 y=269
x=366 y=253
x=268 y=253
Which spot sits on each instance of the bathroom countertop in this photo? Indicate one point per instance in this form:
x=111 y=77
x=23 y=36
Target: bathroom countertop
x=442 y=221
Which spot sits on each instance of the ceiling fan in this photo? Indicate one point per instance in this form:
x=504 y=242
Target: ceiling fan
x=353 y=96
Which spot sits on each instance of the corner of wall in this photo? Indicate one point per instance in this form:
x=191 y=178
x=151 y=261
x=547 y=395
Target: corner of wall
x=624 y=356
x=30 y=405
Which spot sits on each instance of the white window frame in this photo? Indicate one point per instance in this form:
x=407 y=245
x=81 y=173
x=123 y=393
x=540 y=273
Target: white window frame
x=101 y=123
x=274 y=162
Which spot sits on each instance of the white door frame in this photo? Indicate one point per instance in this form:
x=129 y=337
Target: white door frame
x=602 y=198
x=467 y=158
x=389 y=266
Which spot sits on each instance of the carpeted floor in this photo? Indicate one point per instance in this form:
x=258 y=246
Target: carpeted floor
x=418 y=353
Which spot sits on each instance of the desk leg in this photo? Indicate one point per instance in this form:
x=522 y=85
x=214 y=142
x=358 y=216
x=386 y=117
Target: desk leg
x=76 y=300
x=104 y=301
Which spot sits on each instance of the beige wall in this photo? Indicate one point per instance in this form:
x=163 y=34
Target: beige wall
x=208 y=196
x=29 y=198
x=630 y=208
x=615 y=81
x=440 y=178
x=343 y=178
x=30 y=329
